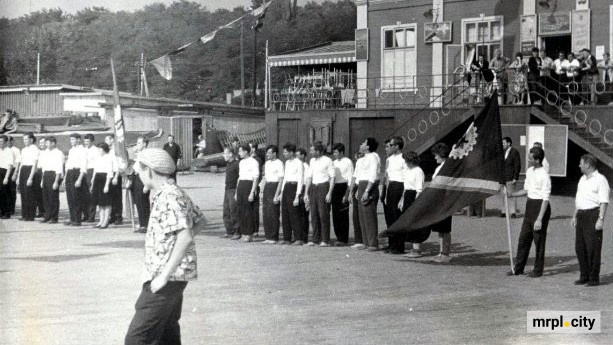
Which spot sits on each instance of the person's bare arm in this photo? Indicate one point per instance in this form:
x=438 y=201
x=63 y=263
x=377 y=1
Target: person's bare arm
x=184 y=239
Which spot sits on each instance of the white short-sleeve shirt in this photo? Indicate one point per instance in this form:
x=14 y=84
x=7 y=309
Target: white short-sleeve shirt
x=592 y=191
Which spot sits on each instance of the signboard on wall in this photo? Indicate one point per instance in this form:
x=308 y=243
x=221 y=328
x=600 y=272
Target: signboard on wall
x=528 y=28
x=437 y=32
x=555 y=23
x=361 y=44
x=526 y=48
x=581 y=30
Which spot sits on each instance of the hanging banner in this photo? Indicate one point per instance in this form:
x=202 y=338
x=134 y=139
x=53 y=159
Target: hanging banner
x=581 y=30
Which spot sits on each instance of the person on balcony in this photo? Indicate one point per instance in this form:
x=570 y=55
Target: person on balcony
x=534 y=73
x=573 y=76
x=559 y=73
x=8 y=122
x=589 y=71
x=485 y=76
x=545 y=73
x=605 y=71
x=498 y=65
x=518 y=86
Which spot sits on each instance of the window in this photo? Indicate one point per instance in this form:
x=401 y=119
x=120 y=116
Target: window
x=398 y=57
x=484 y=34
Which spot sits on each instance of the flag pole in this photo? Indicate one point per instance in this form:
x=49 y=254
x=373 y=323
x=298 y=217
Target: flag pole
x=508 y=219
x=131 y=207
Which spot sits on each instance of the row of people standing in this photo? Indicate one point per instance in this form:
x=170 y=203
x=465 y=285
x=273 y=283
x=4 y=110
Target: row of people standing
x=322 y=192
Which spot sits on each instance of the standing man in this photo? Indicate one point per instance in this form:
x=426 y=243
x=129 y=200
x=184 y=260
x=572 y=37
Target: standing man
x=292 y=204
x=343 y=173
x=545 y=161
x=13 y=182
x=590 y=209
x=538 y=211
x=76 y=171
x=230 y=208
x=301 y=154
x=93 y=154
x=534 y=73
x=38 y=178
x=140 y=193
x=396 y=169
x=589 y=70
x=273 y=181
x=53 y=171
x=368 y=193
x=246 y=189
x=7 y=162
x=498 y=65
x=170 y=253
x=358 y=243
x=512 y=167
x=321 y=186
x=547 y=66
x=115 y=189
x=174 y=151
x=25 y=178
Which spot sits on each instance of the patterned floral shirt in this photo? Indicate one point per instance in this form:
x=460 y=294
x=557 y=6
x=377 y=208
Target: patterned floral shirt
x=171 y=211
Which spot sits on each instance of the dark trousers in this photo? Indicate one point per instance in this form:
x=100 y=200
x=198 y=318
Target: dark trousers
x=256 y=205
x=320 y=212
x=28 y=200
x=368 y=214
x=230 y=212
x=116 y=201
x=13 y=190
x=534 y=88
x=395 y=191
x=292 y=216
x=340 y=213
x=246 y=208
x=51 y=196
x=588 y=245
x=156 y=320
x=271 y=212
x=89 y=207
x=141 y=200
x=74 y=196
x=5 y=195
x=528 y=234
x=357 y=230
x=38 y=192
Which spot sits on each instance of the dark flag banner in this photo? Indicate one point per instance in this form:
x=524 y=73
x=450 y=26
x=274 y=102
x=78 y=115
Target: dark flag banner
x=473 y=172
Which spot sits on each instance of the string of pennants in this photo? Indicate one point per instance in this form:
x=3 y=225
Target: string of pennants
x=163 y=64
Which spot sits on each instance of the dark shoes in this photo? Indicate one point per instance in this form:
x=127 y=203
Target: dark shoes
x=593 y=283
x=513 y=215
x=510 y=273
x=580 y=281
x=535 y=274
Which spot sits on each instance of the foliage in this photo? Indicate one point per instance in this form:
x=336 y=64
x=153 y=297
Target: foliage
x=76 y=48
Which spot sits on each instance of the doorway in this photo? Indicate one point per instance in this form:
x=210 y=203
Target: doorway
x=556 y=44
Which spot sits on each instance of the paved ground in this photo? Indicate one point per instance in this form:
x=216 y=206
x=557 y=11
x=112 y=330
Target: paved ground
x=66 y=285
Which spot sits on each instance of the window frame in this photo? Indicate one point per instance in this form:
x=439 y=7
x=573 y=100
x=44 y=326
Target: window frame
x=395 y=27
x=476 y=21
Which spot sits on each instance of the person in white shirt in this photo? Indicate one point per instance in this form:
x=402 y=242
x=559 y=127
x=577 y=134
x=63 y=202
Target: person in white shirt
x=248 y=176
x=414 y=180
x=138 y=190
x=545 y=161
x=354 y=202
x=53 y=172
x=13 y=181
x=367 y=177
x=573 y=76
x=76 y=171
x=7 y=162
x=116 y=184
x=393 y=190
x=301 y=154
x=319 y=193
x=343 y=173
x=590 y=209
x=292 y=208
x=38 y=178
x=27 y=171
x=101 y=184
x=271 y=200
x=93 y=153
x=538 y=210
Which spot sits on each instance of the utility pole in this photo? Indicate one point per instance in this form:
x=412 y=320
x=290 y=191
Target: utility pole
x=38 y=69
x=253 y=73
x=242 y=67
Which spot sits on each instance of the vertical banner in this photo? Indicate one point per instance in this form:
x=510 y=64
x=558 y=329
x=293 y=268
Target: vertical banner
x=580 y=30
x=118 y=126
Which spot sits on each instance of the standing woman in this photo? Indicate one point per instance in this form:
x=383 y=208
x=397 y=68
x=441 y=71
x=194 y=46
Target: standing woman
x=248 y=176
x=441 y=152
x=101 y=182
x=520 y=79
x=413 y=186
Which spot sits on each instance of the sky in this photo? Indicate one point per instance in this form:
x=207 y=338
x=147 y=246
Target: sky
x=17 y=8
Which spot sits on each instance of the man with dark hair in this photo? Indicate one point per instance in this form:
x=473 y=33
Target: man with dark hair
x=38 y=178
x=590 y=209
x=76 y=171
x=343 y=173
x=301 y=154
x=393 y=190
x=367 y=178
x=138 y=190
x=246 y=193
x=115 y=189
x=170 y=253
x=230 y=208
x=320 y=185
x=589 y=72
x=53 y=172
x=273 y=182
x=7 y=162
x=534 y=72
x=292 y=207
x=93 y=154
x=174 y=150
x=25 y=177
x=512 y=167
x=534 y=227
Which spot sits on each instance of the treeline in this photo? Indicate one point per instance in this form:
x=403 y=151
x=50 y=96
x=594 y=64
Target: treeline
x=76 y=48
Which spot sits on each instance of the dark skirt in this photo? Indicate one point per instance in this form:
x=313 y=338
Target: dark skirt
x=99 y=197
x=443 y=227
x=419 y=235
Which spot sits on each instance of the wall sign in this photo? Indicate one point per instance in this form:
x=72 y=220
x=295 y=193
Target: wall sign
x=528 y=28
x=554 y=23
x=526 y=48
x=361 y=44
x=581 y=30
x=437 y=32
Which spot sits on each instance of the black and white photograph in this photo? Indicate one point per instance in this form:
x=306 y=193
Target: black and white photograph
x=287 y=172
